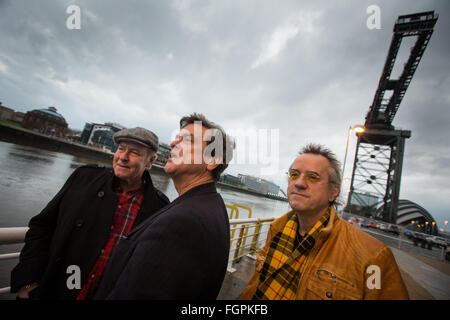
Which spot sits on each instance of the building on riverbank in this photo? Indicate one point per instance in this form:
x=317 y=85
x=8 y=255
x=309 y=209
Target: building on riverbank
x=231 y=180
x=47 y=121
x=5 y=112
x=8 y=114
x=162 y=154
x=259 y=184
x=100 y=135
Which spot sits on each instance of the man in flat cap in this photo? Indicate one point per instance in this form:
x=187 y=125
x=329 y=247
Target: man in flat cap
x=69 y=243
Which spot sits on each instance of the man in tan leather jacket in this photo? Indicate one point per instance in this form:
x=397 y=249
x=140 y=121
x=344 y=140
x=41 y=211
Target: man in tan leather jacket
x=311 y=253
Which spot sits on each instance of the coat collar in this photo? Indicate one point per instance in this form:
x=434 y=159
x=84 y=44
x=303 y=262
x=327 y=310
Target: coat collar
x=279 y=224
x=203 y=188
x=112 y=179
x=151 y=202
x=198 y=190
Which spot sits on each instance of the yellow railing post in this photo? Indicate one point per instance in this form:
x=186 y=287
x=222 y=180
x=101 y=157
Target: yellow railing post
x=237 y=248
x=237 y=206
x=238 y=245
x=246 y=227
x=233 y=209
x=253 y=247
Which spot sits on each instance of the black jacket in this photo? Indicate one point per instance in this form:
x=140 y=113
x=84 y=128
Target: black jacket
x=179 y=253
x=73 y=229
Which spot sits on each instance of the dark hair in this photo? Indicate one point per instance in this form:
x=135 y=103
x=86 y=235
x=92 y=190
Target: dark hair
x=227 y=143
x=334 y=172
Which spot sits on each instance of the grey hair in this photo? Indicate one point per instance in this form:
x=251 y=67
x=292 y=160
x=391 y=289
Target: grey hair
x=334 y=171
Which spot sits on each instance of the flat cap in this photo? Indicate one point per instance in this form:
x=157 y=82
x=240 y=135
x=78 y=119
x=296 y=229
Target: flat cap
x=139 y=135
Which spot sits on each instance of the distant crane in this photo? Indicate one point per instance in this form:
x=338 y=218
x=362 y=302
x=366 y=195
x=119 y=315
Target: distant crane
x=378 y=162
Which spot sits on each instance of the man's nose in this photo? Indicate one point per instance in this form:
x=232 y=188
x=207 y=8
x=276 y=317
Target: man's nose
x=300 y=182
x=124 y=156
x=175 y=142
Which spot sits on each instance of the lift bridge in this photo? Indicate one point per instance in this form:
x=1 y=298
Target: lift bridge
x=377 y=167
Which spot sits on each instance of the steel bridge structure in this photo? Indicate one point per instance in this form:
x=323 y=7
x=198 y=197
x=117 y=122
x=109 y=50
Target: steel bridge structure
x=378 y=161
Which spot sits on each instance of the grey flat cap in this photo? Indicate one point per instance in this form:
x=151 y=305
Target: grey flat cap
x=139 y=135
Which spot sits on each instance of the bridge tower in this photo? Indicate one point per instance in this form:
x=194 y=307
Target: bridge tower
x=378 y=162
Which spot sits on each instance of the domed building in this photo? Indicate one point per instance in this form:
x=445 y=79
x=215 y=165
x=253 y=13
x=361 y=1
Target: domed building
x=47 y=121
x=414 y=217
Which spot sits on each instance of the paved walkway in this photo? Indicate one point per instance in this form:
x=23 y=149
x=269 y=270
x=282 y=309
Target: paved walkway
x=435 y=282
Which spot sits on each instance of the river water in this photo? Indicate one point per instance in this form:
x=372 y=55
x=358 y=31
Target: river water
x=30 y=177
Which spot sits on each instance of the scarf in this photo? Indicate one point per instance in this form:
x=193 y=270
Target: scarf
x=286 y=259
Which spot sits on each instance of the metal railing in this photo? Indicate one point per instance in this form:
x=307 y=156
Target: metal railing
x=11 y=236
x=406 y=245
x=234 y=214
x=239 y=246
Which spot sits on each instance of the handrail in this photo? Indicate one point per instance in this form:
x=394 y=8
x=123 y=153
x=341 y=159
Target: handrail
x=251 y=220
x=9 y=256
x=12 y=235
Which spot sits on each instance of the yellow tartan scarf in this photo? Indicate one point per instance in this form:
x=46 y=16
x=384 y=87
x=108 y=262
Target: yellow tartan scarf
x=285 y=260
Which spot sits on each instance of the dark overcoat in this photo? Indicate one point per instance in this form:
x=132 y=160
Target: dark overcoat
x=181 y=252
x=72 y=230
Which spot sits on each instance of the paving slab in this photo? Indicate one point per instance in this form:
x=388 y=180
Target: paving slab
x=437 y=283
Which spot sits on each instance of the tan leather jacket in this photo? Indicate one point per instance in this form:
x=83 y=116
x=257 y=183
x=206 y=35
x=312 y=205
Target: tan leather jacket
x=340 y=266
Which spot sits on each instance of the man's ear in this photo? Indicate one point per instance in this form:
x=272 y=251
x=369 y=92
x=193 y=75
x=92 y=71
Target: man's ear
x=334 y=192
x=211 y=163
x=151 y=160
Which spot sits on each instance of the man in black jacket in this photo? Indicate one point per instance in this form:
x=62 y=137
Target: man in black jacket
x=181 y=252
x=69 y=243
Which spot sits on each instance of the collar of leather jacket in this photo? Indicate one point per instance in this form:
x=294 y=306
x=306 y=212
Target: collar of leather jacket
x=279 y=224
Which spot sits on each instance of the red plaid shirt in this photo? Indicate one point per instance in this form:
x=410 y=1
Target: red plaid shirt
x=124 y=216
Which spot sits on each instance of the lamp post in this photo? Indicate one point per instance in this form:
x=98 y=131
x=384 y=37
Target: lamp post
x=357 y=129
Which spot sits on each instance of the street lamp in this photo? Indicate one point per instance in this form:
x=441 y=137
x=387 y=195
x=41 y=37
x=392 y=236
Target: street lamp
x=356 y=129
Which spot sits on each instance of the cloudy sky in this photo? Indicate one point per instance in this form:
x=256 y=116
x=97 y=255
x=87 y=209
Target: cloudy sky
x=303 y=71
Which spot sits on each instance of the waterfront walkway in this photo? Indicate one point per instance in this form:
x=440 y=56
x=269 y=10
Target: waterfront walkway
x=425 y=278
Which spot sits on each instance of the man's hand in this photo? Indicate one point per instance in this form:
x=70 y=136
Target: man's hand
x=24 y=291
